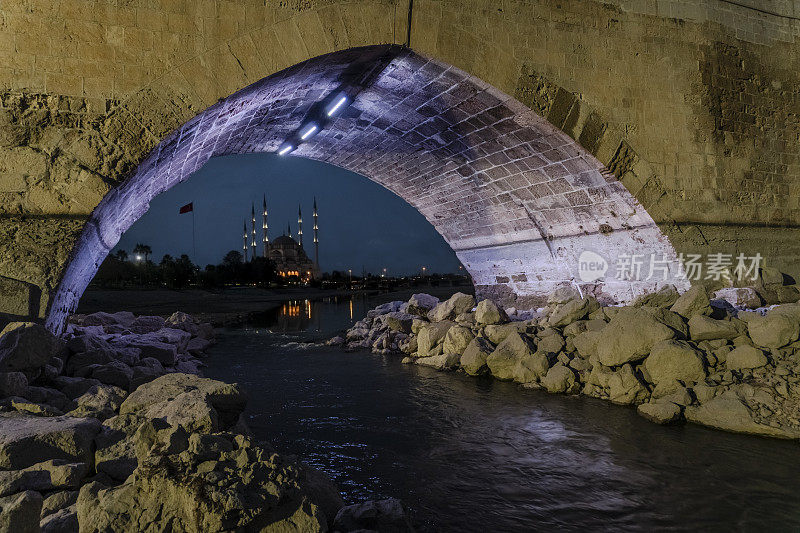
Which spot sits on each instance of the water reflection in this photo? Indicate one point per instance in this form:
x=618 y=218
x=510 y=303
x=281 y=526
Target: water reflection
x=315 y=317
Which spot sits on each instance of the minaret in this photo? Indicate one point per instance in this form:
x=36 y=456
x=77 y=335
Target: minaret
x=316 y=237
x=289 y=229
x=265 y=228
x=244 y=248
x=253 y=224
x=299 y=226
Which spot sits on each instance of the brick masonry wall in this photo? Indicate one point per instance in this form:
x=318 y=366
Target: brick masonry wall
x=692 y=105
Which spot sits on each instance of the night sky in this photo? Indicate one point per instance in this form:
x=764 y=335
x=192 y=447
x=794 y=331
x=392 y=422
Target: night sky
x=362 y=224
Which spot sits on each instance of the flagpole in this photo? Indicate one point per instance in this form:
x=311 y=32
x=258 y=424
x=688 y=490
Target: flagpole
x=194 y=248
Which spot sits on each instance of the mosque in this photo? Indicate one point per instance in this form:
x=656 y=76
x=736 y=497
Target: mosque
x=285 y=252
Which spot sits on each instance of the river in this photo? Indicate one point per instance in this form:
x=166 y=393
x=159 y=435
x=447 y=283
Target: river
x=467 y=454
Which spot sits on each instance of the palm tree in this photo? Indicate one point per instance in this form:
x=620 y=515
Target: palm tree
x=143 y=249
x=122 y=255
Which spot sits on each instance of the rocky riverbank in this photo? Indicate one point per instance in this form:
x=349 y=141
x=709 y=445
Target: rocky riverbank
x=675 y=357
x=112 y=428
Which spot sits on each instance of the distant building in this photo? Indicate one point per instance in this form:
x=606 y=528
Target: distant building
x=285 y=252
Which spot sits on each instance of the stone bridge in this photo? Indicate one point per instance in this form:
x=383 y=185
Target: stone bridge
x=527 y=132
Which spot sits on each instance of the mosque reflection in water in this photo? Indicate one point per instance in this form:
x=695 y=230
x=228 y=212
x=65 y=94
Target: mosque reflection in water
x=327 y=314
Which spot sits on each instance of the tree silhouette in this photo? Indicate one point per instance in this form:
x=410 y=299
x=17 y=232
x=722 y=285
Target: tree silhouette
x=122 y=255
x=143 y=249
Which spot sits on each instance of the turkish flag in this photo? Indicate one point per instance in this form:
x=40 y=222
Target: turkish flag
x=185 y=209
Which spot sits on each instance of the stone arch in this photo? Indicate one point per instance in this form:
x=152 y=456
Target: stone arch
x=516 y=198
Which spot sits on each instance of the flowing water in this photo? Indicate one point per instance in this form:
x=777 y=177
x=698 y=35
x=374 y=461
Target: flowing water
x=468 y=454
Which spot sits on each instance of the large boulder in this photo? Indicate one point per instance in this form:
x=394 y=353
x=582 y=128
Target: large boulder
x=62 y=521
x=633 y=332
x=745 y=357
x=559 y=379
x=399 y=321
x=386 y=516
x=693 y=302
x=473 y=360
x=457 y=339
x=704 y=328
x=420 y=304
x=228 y=400
x=497 y=333
x=12 y=384
x=660 y=411
x=728 y=412
x=673 y=360
x=572 y=310
x=100 y=401
x=430 y=336
x=503 y=360
x=114 y=373
x=444 y=361
x=779 y=327
x=743 y=297
x=151 y=346
x=28 y=440
x=147 y=324
x=625 y=387
x=100 y=318
x=46 y=476
x=449 y=309
x=664 y=297
x=19 y=513
x=27 y=347
x=211 y=483
x=488 y=312
x=531 y=367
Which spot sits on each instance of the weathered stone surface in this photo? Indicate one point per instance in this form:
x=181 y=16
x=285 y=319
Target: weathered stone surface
x=503 y=360
x=624 y=387
x=26 y=347
x=727 y=411
x=473 y=360
x=745 y=297
x=531 y=367
x=559 y=379
x=488 y=312
x=457 y=339
x=664 y=297
x=449 y=309
x=568 y=312
x=586 y=343
x=59 y=500
x=114 y=373
x=745 y=357
x=660 y=412
x=19 y=513
x=445 y=361
x=62 y=521
x=702 y=327
x=420 y=304
x=147 y=324
x=46 y=476
x=553 y=342
x=498 y=333
x=695 y=301
x=101 y=401
x=398 y=321
x=431 y=336
x=778 y=328
x=382 y=515
x=633 y=332
x=672 y=360
x=27 y=440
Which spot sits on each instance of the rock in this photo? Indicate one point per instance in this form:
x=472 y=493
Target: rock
x=571 y=311
x=58 y=500
x=633 y=332
x=197 y=346
x=114 y=373
x=563 y=295
x=693 y=302
x=457 y=339
x=488 y=312
x=165 y=353
x=26 y=406
x=703 y=392
x=62 y=521
x=116 y=452
x=226 y=399
x=238 y=487
x=473 y=360
x=48 y=396
x=531 y=367
x=121 y=318
x=624 y=387
x=702 y=327
x=398 y=321
x=498 y=333
x=28 y=440
x=74 y=387
x=46 y=476
x=389 y=307
x=431 y=336
x=336 y=341
x=553 y=342
x=420 y=304
x=664 y=297
x=503 y=360
x=779 y=327
x=660 y=412
x=12 y=384
x=728 y=412
x=745 y=357
x=586 y=343
x=445 y=361
x=742 y=297
x=559 y=379
x=672 y=360
x=451 y=308
x=27 y=347
x=386 y=516
x=147 y=324
x=19 y=513
x=101 y=401
x=182 y=321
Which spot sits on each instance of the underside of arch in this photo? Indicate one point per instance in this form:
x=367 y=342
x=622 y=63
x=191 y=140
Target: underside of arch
x=524 y=206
